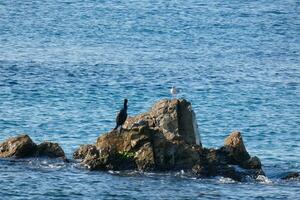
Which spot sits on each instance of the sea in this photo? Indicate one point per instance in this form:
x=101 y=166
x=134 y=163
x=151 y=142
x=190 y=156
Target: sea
x=67 y=65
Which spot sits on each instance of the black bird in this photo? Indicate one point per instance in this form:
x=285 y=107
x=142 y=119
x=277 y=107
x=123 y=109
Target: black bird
x=122 y=115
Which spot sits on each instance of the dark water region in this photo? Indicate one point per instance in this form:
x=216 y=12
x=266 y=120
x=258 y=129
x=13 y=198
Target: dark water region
x=65 y=67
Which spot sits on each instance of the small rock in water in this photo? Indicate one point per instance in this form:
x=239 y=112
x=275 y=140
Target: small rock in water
x=291 y=176
x=22 y=147
x=19 y=147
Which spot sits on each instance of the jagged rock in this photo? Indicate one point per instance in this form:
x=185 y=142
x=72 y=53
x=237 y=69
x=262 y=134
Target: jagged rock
x=235 y=148
x=237 y=154
x=165 y=139
x=151 y=149
x=172 y=117
x=19 y=147
x=82 y=151
x=51 y=150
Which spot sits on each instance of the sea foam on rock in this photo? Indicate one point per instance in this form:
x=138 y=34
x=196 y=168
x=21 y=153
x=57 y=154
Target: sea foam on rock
x=166 y=138
x=22 y=147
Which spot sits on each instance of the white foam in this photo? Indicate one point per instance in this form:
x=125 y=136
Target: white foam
x=226 y=180
x=263 y=179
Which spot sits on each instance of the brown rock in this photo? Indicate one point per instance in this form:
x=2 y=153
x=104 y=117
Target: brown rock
x=51 y=150
x=172 y=117
x=235 y=148
x=165 y=138
x=82 y=151
x=127 y=150
x=151 y=149
x=170 y=155
x=93 y=160
x=144 y=158
x=125 y=141
x=108 y=160
x=19 y=147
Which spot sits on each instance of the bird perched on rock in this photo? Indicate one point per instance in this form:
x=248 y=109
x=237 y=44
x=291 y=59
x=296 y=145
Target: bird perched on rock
x=121 y=116
x=174 y=91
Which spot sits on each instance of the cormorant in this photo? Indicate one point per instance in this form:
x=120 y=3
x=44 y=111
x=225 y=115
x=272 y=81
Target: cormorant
x=122 y=115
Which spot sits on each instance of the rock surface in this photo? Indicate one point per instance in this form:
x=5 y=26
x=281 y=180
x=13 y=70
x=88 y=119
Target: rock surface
x=157 y=141
x=19 y=147
x=237 y=154
x=51 y=150
x=22 y=146
x=172 y=117
x=82 y=151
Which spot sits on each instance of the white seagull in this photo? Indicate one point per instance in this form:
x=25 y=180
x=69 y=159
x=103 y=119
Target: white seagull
x=174 y=91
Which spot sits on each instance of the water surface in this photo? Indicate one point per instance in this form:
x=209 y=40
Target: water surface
x=65 y=67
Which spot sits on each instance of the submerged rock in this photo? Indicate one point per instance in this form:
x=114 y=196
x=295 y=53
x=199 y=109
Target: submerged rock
x=18 y=147
x=291 y=176
x=22 y=146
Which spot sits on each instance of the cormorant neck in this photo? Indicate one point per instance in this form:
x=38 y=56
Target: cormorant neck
x=125 y=106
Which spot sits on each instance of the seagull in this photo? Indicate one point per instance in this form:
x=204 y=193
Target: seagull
x=174 y=91
x=121 y=116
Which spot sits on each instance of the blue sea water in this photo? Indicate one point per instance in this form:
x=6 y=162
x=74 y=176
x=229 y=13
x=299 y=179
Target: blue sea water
x=65 y=67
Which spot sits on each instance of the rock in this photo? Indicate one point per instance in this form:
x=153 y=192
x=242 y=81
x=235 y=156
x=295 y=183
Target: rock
x=144 y=158
x=172 y=117
x=131 y=145
x=151 y=149
x=50 y=150
x=174 y=154
x=291 y=176
x=108 y=159
x=19 y=147
x=165 y=138
x=82 y=151
x=252 y=163
x=235 y=152
x=200 y=171
x=128 y=140
x=22 y=146
x=235 y=148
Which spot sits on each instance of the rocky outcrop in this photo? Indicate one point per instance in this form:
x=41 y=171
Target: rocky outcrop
x=19 y=147
x=174 y=118
x=237 y=154
x=146 y=149
x=22 y=146
x=164 y=139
